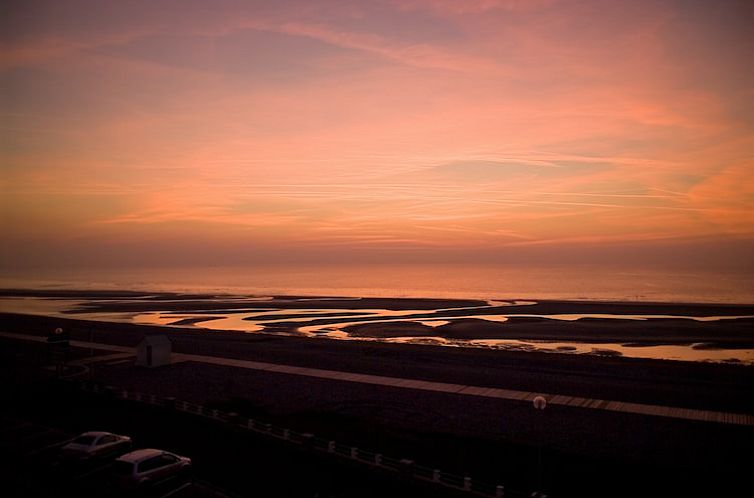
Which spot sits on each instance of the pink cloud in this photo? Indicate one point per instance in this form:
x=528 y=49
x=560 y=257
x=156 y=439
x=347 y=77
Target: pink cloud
x=591 y=131
x=451 y=7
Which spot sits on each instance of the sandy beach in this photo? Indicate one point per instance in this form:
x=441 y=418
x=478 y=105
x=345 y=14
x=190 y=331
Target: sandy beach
x=734 y=333
x=724 y=331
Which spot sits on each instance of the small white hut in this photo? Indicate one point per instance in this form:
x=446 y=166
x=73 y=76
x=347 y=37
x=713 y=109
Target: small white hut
x=153 y=351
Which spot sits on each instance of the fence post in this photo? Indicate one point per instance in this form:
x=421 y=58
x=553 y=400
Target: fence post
x=467 y=483
x=499 y=491
x=307 y=439
x=407 y=466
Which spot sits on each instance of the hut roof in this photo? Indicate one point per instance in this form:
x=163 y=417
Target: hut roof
x=156 y=340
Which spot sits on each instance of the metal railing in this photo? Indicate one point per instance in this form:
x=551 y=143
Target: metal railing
x=404 y=466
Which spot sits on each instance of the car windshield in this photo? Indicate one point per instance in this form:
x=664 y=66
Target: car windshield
x=86 y=440
x=122 y=468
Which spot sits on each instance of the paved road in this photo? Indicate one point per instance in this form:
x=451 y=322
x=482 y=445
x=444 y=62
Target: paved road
x=459 y=389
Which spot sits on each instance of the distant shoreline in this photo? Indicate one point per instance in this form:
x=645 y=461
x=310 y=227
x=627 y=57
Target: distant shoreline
x=72 y=293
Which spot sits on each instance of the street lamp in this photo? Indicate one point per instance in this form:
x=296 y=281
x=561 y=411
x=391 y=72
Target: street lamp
x=58 y=346
x=540 y=403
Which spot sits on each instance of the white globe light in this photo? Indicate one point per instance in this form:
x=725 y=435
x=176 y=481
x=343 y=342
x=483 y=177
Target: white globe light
x=540 y=402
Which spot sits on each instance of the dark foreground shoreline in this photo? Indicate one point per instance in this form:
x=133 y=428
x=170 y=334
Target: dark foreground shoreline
x=715 y=386
x=589 y=451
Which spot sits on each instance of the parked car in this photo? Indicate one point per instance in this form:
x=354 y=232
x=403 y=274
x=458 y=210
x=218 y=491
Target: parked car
x=95 y=445
x=146 y=467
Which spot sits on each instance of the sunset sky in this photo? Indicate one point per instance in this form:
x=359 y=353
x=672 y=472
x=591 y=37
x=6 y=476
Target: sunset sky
x=190 y=132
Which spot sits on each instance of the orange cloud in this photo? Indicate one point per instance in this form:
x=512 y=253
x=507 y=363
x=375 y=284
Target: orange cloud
x=487 y=124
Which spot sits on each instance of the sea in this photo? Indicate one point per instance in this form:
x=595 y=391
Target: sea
x=463 y=281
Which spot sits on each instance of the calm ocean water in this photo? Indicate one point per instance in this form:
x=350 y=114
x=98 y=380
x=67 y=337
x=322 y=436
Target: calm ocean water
x=444 y=281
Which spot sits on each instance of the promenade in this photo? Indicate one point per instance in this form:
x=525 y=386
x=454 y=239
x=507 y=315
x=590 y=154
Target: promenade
x=718 y=417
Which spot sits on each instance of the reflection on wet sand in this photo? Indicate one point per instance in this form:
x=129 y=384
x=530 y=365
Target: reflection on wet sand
x=668 y=352
x=438 y=322
x=277 y=322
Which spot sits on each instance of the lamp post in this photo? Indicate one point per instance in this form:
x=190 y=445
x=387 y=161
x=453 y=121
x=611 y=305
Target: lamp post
x=91 y=354
x=540 y=403
x=58 y=342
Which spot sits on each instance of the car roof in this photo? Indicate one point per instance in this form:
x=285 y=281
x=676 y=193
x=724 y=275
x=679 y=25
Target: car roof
x=96 y=433
x=139 y=455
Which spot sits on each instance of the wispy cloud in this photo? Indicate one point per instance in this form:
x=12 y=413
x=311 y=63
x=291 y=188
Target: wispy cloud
x=418 y=124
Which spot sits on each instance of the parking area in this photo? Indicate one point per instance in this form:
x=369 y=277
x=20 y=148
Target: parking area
x=33 y=465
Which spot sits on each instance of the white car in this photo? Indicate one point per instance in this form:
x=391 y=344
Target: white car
x=149 y=466
x=91 y=445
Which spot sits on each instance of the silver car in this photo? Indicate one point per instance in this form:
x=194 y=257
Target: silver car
x=95 y=445
x=145 y=467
